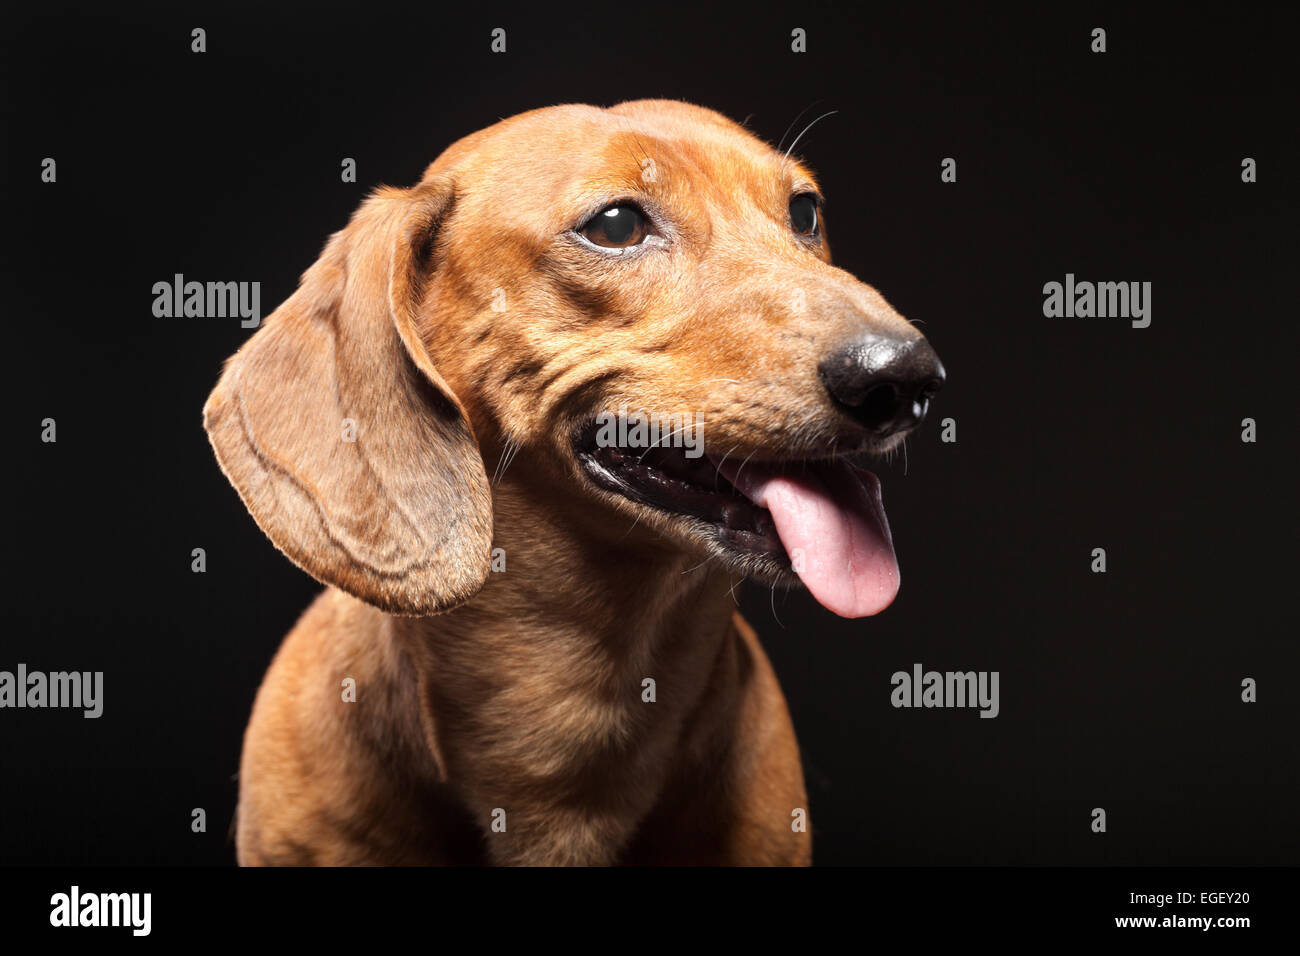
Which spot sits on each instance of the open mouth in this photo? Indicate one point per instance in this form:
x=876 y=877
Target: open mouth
x=822 y=520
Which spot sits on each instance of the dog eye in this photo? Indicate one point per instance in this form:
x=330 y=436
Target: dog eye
x=616 y=227
x=803 y=214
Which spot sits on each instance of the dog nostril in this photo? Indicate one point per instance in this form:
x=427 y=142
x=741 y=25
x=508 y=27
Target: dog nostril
x=880 y=404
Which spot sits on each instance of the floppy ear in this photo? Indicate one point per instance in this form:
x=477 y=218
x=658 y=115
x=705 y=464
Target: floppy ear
x=344 y=442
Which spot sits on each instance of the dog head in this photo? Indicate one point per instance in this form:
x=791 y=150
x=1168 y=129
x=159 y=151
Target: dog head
x=638 y=301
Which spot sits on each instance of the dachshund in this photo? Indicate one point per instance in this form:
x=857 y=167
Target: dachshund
x=542 y=665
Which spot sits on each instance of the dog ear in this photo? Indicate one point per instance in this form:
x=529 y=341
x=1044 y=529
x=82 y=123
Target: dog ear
x=346 y=445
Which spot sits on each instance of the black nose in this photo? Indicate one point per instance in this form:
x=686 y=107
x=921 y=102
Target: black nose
x=883 y=383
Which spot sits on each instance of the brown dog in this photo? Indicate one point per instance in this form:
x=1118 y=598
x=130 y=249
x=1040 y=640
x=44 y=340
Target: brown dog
x=546 y=668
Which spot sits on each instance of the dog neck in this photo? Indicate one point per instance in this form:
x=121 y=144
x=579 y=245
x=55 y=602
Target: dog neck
x=582 y=660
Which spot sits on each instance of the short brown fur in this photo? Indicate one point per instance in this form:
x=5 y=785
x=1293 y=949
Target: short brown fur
x=522 y=691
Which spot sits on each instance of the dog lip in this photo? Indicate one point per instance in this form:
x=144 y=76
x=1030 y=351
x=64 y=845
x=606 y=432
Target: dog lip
x=720 y=505
x=696 y=491
x=691 y=489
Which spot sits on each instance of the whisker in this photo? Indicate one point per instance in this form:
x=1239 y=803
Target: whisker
x=504 y=461
x=718 y=473
x=797 y=118
x=632 y=527
x=513 y=455
x=800 y=136
x=772 y=595
x=700 y=565
x=742 y=466
x=733 y=381
x=652 y=446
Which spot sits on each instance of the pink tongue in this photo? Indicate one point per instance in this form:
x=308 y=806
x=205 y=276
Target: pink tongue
x=832 y=523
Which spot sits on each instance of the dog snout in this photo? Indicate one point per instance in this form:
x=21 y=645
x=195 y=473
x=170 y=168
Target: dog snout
x=882 y=382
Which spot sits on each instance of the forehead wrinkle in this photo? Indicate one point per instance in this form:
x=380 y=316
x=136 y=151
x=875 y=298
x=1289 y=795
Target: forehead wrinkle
x=701 y=129
x=676 y=170
x=742 y=180
x=748 y=164
x=619 y=170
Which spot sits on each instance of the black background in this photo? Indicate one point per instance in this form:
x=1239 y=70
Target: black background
x=1119 y=690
